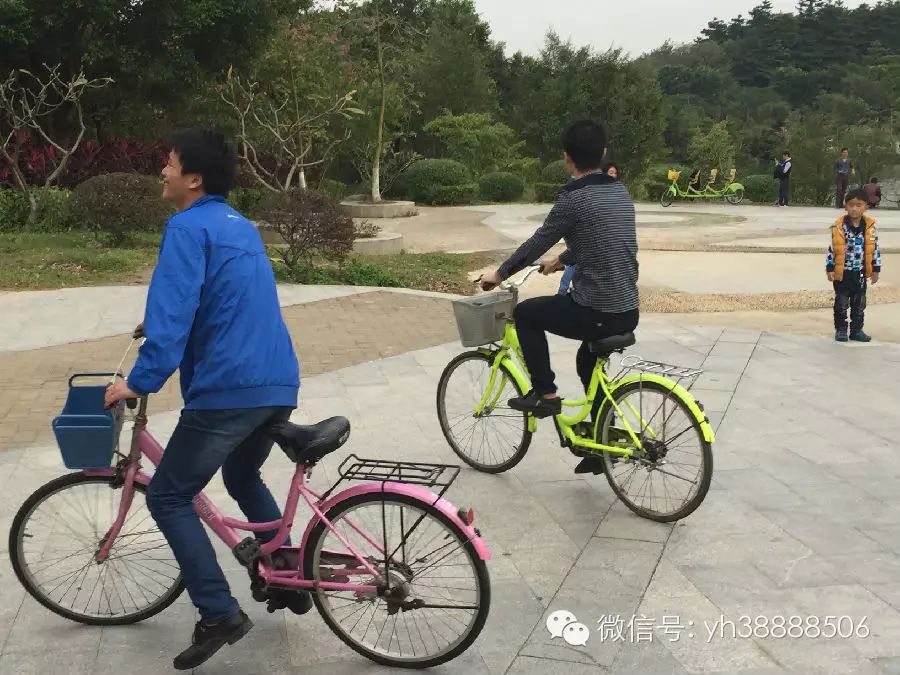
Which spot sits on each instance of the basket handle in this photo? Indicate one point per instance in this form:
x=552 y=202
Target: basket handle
x=83 y=375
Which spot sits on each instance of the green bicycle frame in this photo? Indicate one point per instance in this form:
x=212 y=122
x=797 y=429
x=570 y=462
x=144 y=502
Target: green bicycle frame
x=505 y=357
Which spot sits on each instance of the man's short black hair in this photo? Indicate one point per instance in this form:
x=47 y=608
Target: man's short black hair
x=207 y=153
x=786 y=153
x=845 y=149
x=873 y=179
x=585 y=142
x=857 y=193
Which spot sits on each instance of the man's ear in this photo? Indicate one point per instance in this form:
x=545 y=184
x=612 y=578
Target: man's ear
x=196 y=182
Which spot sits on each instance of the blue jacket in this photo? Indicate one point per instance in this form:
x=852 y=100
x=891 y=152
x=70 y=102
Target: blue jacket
x=213 y=311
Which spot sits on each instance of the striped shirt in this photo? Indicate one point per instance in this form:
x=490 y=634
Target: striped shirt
x=595 y=217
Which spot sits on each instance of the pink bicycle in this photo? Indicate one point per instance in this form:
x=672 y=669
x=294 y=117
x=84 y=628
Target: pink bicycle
x=396 y=571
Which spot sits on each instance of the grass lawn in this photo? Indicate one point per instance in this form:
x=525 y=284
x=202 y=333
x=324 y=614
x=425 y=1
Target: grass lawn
x=58 y=260
x=37 y=260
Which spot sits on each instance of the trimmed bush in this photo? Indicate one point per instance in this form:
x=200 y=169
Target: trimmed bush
x=545 y=193
x=117 y=204
x=439 y=181
x=759 y=188
x=454 y=195
x=528 y=168
x=246 y=200
x=501 y=187
x=312 y=224
x=556 y=173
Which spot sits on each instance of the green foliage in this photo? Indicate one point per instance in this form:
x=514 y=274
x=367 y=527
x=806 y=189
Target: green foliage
x=426 y=180
x=454 y=195
x=115 y=206
x=545 y=193
x=246 y=200
x=333 y=188
x=760 y=188
x=476 y=140
x=501 y=187
x=358 y=272
x=556 y=172
x=51 y=214
x=654 y=181
x=712 y=149
x=527 y=168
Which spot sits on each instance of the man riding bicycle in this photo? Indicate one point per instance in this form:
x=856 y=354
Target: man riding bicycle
x=595 y=216
x=213 y=312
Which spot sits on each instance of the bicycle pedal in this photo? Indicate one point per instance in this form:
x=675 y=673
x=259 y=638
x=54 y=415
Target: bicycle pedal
x=299 y=602
x=247 y=551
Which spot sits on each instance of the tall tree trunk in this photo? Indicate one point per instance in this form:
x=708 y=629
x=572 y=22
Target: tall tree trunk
x=379 y=134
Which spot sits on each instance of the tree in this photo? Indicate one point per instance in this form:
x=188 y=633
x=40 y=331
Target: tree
x=713 y=149
x=476 y=140
x=28 y=103
x=157 y=52
x=292 y=111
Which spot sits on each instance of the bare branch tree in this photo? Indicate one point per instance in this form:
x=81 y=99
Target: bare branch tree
x=296 y=129
x=28 y=104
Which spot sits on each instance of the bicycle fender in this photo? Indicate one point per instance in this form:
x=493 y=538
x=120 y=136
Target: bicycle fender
x=416 y=492
x=681 y=393
x=734 y=187
x=521 y=380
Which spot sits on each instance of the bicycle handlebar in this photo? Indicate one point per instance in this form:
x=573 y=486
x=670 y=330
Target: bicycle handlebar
x=510 y=285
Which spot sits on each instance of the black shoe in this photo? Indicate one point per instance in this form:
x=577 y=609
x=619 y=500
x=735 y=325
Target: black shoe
x=299 y=601
x=537 y=405
x=592 y=464
x=208 y=639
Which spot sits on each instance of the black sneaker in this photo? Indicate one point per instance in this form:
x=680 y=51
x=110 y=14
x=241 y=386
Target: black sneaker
x=537 y=405
x=859 y=336
x=299 y=601
x=208 y=639
x=592 y=464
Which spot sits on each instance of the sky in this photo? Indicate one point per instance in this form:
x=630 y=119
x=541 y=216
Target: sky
x=637 y=26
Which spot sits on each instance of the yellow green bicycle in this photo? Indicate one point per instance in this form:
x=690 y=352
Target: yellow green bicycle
x=652 y=434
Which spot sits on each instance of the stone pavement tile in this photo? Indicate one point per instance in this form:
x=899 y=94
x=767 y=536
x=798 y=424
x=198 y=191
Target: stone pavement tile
x=75 y=659
x=733 y=349
x=823 y=536
x=719 y=380
x=739 y=335
x=514 y=611
x=832 y=657
x=888 y=666
x=875 y=567
x=646 y=657
x=712 y=399
x=621 y=523
x=35 y=627
x=529 y=665
x=574 y=506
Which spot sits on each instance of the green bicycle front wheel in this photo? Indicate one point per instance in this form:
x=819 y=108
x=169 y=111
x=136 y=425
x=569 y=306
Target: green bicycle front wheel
x=667 y=198
x=669 y=477
x=735 y=197
x=495 y=440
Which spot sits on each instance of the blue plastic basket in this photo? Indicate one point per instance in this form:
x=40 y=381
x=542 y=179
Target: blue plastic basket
x=86 y=433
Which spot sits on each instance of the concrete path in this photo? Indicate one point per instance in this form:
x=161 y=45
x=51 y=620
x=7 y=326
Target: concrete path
x=802 y=521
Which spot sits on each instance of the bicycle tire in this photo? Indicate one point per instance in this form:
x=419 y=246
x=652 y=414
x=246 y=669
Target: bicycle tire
x=606 y=414
x=666 y=199
x=525 y=441
x=310 y=572
x=16 y=534
x=735 y=197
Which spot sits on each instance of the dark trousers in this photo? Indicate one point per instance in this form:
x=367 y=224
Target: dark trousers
x=850 y=294
x=784 y=191
x=561 y=315
x=203 y=442
x=841 y=182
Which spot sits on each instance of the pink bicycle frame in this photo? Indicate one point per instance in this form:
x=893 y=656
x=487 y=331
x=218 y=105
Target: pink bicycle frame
x=143 y=444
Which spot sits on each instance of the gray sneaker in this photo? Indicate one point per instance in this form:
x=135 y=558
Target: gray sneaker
x=840 y=335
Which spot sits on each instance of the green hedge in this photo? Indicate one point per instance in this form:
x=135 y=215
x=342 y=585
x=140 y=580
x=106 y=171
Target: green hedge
x=556 y=172
x=439 y=181
x=117 y=205
x=247 y=200
x=52 y=215
x=501 y=187
x=760 y=188
x=545 y=193
x=333 y=188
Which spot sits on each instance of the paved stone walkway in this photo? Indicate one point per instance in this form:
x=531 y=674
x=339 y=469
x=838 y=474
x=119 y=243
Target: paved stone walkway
x=802 y=520
x=328 y=335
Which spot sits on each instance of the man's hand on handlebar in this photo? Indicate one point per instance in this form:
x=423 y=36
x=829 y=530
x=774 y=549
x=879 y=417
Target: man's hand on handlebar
x=490 y=280
x=551 y=264
x=138 y=331
x=116 y=392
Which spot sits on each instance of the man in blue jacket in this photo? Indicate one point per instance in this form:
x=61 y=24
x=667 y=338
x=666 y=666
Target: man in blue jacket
x=212 y=312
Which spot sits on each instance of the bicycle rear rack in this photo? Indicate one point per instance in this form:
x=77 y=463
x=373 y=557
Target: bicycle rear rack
x=384 y=471
x=677 y=373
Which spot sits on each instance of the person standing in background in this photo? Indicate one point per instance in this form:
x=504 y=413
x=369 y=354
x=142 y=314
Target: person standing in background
x=783 y=174
x=843 y=169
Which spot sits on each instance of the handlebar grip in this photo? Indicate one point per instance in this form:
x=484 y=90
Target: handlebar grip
x=138 y=334
x=131 y=403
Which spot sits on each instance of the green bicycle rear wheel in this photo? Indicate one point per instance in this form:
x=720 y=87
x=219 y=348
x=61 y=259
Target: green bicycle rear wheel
x=497 y=439
x=669 y=478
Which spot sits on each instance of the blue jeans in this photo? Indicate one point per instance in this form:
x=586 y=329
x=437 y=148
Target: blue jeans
x=566 y=280
x=203 y=442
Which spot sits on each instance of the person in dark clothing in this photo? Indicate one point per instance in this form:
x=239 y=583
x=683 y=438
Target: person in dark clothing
x=783 y=174
x=595 y=215
x=852 y=260
x=843 y=169
x=873 y=192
